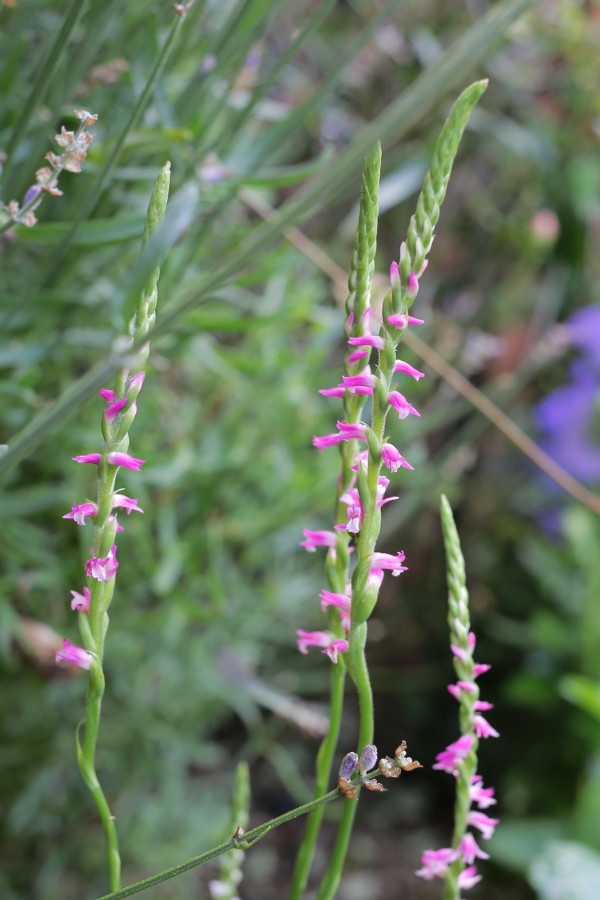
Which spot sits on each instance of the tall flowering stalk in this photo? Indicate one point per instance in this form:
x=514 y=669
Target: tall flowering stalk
x=361 y=497
x=336 y=600
x=455 y=864
x=93 y=602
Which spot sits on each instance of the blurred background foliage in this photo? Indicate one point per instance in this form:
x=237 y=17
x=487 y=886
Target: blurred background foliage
x=254 y=98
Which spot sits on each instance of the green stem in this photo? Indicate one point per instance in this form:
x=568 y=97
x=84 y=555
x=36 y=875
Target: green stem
x=323 y=768
x=249 y=837
x=360 y=675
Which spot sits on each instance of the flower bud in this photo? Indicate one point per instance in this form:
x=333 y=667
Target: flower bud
x=348 y=765
x=368 y=759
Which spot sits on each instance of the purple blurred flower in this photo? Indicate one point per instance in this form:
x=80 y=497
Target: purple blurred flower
x=569 y=417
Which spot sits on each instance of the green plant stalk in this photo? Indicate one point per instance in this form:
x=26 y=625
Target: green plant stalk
x=397 y=301
x=249 y=838
x=93 y=624
x=460 y=626
x=360 y=279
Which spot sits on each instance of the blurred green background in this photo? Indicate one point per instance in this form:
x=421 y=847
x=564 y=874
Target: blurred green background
x=255 y=98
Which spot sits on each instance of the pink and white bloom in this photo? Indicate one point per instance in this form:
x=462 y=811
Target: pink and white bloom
x=470 y=850
x=483 y=797
x=332 y=645
x=399 y=402
x=389 y=562
x=393 y=459
x=483 y=729
x=81 y=602
x=77 y=656
x=468 y=878
x=80 y=510
x=367 y=340
x=117 y=458
x=314 y=539
x=129 y=504
x=405 y=368
x=435 y=863
x=347 y=431
x=343 y=602
x=451 y=759
x=399 y=320
x=360 y=384
x=483 y=823
x=102 y=569
x=460 y=652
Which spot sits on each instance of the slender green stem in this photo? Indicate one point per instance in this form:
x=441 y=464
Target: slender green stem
x=323 y=768
x=360 y=676
x=249 y=837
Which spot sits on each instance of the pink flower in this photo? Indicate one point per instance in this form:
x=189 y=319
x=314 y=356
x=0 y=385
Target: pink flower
x=308 y=639
x=103 y=569
x=80 y=510
x=469 y=687
x=338 y=391
x=455 y=691
x=347 y=431
x=339 y=645
x=405 y=369
x=367 y=340
x=107 y=394
x=469 y=849
x=81 y=602
x=113 y=409
x=460 y=652
x=359 y=384
x=314 y=539
x=93 y=458
x=342 y=601
x=412 y=286
x=74 y=655
x=356 y=356
x=483 y=729
x=450 y=759
x=399 y=320
x=120 y=501
x=393 y=459
x=124 y=459
x=483 y=797
x=389 y=562
x=468 y=878
x=480 y=669
x=332 y=645
x=483 y=823
x=401 y=405
x=435 y=863
x=394 y=275
x=482 y=705
x=136 y=382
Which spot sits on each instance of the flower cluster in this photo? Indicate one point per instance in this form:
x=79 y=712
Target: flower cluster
x=358 y=496
x=102 y=564
x=74 y=151
x=460 y=760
